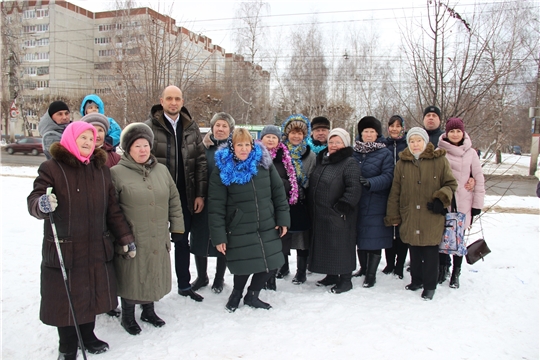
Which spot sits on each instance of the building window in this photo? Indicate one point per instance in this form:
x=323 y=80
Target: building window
x=42 y=42
x=42 y=27
x=29 y=85
x=104 y=78
x=103 y=91
x=30 y=112
x=103 y=40
x=103 y=66
x=29 y=14
x=109 y=27
x=42 y=84
x=41 y=13
x=108 y=52
x=30 y=71
x=43 y=70
x=42 y=56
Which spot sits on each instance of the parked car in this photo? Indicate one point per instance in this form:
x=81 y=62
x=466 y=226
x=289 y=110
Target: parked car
x=516 y=150
x=26 y=145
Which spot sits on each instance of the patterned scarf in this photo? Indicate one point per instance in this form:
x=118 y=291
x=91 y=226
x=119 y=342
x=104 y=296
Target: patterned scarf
x=367 y=147
x=289 y=167
x=296 y=158
x=235 y=171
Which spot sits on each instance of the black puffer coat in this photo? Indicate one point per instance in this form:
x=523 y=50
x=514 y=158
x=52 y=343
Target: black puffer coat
x=334 y=192
x=87 y=210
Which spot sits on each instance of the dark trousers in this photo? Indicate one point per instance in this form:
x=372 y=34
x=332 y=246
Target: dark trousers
x=182 y=254
x=397 y=254
x=425 y=265
x=257 y=281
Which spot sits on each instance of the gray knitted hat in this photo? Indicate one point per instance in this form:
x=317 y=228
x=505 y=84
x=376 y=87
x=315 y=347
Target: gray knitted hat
x=97 y=119
x=133 y=132
x=271 y=130
x=420 y=132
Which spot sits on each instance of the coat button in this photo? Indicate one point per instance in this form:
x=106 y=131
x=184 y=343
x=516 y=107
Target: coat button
x=149 y=187
x=418 y=207
x=152 y=203
x=417 y=232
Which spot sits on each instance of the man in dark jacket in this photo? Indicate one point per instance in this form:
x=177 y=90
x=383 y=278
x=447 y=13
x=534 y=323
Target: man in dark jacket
x=52 y=124
x=178 y=145
x=432 y=124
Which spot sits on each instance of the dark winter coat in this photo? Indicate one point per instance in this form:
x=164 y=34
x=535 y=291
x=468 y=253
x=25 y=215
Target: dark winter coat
x=87 y=210
x=334 y=194
x=149 y=199
x=396 y=146
x=434 y=136
x=244 y=217
x=50 y=132
x=199 y=238
x=417 y=182
x=378 y=168
x=164 y=149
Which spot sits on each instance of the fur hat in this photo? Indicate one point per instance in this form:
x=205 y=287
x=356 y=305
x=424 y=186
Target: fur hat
x=97 y=119
x=320 y=122
x=57 y=106
x=369 y=122
x=432 y=109
x=133 y=132
x=225 y=117
x=455 y=123
x=296 y=121
x=419 y=132
x=271 y=130
x=343 y=135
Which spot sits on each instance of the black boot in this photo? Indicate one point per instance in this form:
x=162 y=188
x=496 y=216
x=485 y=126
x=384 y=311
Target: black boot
x=390 y=255
x=454 y=280
x=91 y=343
x=252 y=299
x=443 y=273
x=68 y=343
x=219 y=279
x=344 y=284
x=271 y=282
x=201 y=263
x=362 y=260
x=284 y=271
x=301 y=266
x=128 y=318
x=72 y=355
x=328 y=280
x=114 y=312
x=428 y=294
x=372 y=265
x=149 y=315
x=234 y=300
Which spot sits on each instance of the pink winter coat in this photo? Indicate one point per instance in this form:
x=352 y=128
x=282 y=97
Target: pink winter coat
x=465 y=163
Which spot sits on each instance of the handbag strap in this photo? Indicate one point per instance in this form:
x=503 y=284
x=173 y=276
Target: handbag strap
x=453 y=204
x=481 y=227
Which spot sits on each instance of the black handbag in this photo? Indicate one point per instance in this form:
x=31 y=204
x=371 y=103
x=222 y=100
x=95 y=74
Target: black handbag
x=478 y=249
x=300 y=220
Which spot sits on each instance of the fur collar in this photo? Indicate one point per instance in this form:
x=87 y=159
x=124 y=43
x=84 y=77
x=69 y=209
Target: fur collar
x=209 y=140
x=429 y=153
x=61 y=154
x=336 y=157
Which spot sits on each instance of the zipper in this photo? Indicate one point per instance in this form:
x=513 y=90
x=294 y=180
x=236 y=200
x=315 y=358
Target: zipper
x=258 y=225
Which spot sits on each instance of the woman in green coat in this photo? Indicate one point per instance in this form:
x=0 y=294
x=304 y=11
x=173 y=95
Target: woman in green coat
x=150 y=201
x=422 y=189
x=247 y=214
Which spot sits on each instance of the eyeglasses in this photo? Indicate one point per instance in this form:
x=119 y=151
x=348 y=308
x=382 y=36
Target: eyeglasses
x=335 y=143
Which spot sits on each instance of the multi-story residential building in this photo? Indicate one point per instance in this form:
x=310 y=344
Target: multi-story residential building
x=55 y=49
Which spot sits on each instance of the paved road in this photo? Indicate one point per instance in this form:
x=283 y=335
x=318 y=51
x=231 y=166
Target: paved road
x=21 y=159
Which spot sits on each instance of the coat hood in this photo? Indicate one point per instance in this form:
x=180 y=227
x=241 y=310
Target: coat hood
x=429 y=153
x=60 y=153
x=97 y=100
x=47 y=124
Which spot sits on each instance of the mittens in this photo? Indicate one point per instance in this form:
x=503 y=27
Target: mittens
x=437 y=207
x=365 y=182
x=47 y=203
x=130 y=250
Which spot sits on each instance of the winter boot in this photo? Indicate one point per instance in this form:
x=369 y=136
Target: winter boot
x=128 y=318
x=202 y=277
x=149 y=315
x=252 y=299
x=234 y=300
x=390 y=255
x=284 y=271
x=271 y=282
x=428 y=294
x=344 y=284
x=301 y=266
x=219 y=279
x=114 y=312
x=454 y=279
x=68 y=343
x=443 y=273
x=372 y=265
x=328 y=280
x=91 y=343
x=362 y=260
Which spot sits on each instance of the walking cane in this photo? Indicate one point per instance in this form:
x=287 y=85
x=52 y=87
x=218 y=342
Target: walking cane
x=64 y=274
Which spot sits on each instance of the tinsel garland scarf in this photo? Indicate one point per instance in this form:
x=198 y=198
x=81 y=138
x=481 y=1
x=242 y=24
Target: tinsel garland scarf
x=316 y=148
x=291 y=174
x=296 y=152
x=234 y=171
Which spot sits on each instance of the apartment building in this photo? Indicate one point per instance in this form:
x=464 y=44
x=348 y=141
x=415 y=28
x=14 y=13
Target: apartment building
x=56 y=49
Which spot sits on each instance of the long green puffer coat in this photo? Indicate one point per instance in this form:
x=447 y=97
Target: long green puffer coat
x=417 y=182
x=150 y=201
x=244 y=215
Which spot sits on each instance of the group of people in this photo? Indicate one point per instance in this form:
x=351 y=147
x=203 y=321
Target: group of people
x=247 y=202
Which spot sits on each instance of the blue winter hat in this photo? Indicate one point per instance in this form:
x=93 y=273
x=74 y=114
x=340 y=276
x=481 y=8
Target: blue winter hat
x=296 y=121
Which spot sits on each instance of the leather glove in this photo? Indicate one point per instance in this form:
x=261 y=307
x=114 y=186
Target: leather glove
x=365 y=182
x=475 y=212
x=437 y=207
x=130 y=250
x=342 y=208
x=47 y=203
x=176 y=237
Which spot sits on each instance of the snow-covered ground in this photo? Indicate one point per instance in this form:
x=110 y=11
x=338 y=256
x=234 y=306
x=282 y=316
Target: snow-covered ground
x=510 y=165
x=494 y=315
